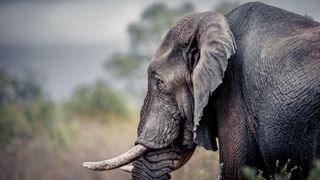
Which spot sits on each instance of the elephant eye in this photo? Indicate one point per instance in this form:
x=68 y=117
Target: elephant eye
x=160 y=85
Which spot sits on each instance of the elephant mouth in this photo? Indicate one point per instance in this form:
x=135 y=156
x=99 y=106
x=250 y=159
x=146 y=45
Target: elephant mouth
x=137 y=152
x=159 y=163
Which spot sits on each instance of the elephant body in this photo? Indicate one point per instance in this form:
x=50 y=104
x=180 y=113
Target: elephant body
x=268 y=106
x=250 y=79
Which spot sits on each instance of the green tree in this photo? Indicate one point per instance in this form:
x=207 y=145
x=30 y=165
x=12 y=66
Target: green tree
x=21 y=91
x=96 y=100
x=25 y=111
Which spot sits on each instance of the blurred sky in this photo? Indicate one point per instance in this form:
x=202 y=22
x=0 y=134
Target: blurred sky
x=65 y=43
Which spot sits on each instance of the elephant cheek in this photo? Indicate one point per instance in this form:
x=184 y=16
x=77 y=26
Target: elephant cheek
x=148 y=139
x=185 y=101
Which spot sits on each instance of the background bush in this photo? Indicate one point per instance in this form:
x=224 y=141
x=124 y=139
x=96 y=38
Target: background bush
x=97 y=100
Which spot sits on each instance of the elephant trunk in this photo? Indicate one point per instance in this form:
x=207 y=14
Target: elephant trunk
x=118 y=161
x=177 y=164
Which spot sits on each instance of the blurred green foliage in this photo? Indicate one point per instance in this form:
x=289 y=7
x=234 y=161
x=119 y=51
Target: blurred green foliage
x=251 y=173
x=97 y=100
x=124 y=64
x=17 y=90
x=315 y=172
x=25 y=112
x=39 y=138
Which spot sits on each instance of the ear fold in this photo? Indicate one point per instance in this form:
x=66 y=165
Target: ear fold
x=216 y=44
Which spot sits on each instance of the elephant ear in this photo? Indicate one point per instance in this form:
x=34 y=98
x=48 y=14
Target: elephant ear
x=216 y=44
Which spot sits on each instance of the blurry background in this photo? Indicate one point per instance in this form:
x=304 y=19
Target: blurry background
x=73 y=77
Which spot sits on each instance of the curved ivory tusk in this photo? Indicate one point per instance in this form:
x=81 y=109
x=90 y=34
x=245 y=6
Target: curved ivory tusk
x=127 y=168
x=176 y=163
x=118 y=161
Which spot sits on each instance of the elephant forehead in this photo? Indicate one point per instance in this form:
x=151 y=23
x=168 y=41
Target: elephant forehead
x=165 y=55
x=162 y=55
x=162 y=66
x=168 y=59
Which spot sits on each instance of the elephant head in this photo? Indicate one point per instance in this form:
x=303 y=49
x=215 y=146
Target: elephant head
x=186 y=69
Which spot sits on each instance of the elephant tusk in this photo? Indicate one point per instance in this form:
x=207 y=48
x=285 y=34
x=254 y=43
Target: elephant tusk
x=127 y=168
x=118 y=161
x=176 y=163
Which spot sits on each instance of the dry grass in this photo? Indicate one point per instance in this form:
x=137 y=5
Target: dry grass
x=41 y=158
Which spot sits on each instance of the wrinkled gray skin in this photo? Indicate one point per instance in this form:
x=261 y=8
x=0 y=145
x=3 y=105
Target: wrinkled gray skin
x=251 y=79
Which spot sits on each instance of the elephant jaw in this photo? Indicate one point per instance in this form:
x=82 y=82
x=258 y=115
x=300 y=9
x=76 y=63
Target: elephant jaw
x=131 y=155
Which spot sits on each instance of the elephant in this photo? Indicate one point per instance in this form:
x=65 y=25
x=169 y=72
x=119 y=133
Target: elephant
x=247 y=82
